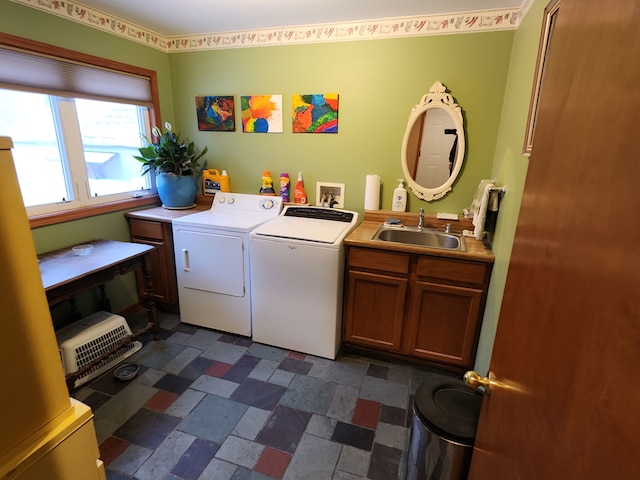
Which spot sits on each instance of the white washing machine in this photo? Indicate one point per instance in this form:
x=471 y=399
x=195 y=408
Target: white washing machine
x=297 y=266
x=212 y=260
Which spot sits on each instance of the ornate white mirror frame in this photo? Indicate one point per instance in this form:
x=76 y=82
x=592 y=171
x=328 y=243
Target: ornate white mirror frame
x=412 y=142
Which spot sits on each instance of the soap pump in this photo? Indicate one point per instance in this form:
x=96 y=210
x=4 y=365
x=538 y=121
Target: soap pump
x=399 y=197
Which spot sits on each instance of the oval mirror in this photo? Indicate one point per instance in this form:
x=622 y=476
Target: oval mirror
x=433 y=144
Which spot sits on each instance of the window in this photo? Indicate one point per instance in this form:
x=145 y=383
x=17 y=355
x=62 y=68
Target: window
x=76 y=122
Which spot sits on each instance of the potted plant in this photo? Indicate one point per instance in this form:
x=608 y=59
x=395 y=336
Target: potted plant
x=176 y=165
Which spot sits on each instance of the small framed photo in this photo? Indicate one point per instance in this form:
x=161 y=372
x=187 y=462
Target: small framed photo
x=330 y=195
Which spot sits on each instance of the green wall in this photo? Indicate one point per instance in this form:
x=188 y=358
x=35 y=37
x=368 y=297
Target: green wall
x=510 y=168
x=379 y=81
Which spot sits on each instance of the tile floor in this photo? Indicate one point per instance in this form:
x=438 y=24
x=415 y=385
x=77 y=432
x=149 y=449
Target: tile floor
x=213 y=406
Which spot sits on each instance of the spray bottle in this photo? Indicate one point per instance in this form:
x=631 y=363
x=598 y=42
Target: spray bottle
x=299 y=195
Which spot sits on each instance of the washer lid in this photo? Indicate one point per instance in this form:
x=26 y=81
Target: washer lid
x=234 y=221
x=450 y=406
x=306 y=229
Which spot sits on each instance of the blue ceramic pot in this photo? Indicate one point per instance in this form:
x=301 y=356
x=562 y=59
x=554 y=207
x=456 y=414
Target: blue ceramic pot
x=176 y=191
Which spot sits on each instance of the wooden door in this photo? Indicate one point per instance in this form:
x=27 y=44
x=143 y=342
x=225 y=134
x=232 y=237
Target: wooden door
x=567 y=347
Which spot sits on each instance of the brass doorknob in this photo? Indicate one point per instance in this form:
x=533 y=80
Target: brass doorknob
x=475 y=380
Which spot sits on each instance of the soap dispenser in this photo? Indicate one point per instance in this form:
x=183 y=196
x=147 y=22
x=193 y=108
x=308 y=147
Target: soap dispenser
x=399 y=198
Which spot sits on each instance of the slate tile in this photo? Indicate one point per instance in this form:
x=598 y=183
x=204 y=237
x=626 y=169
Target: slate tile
x=258 y=394
x=385 y=463
x=393 y=415
x=378 y=371
x=353 y=435
x=315 y=458
x=309 y=394
x=147 y=428
x=161 y=401
x=273 y=462
x=366 y=414
x=196 y=368
x=284 y=429
x=241 y=369
x=295 y=366
x=173 y=383
x=204 y=423
x=111 y=449
x=195 y=459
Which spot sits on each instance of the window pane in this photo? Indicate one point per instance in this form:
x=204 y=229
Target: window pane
x=28 y=118
x=111 y=134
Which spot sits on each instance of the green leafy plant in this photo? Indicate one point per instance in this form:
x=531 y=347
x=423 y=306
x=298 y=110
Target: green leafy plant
x=171 y=154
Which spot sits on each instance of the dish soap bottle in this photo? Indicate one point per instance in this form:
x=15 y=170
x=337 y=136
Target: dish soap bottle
x=399 y=198
x=299 y=195
x=267 y=184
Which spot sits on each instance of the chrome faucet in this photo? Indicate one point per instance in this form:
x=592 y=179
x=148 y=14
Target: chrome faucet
x=447 y=228
x=421 y=218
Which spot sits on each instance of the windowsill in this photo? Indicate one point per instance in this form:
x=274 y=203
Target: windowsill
x=44 y=220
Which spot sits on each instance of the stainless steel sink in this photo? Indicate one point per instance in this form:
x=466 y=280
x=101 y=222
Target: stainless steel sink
x=425 y=237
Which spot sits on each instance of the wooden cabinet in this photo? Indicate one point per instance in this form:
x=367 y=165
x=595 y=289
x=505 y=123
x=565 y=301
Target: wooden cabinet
x=375 y=301
x=163 y=270
x=415 y=305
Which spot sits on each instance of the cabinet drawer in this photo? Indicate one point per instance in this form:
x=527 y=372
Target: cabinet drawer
x=454 y=270
x=145 y=229
x=378 y=260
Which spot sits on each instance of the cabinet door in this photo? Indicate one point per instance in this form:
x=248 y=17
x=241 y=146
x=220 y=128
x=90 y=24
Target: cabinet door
x=163 y=272
x=375 y=310
x=159 y=274
x=444 y=323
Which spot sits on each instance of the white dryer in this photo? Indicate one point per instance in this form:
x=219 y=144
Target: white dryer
x=297 y=267
x=212 y=260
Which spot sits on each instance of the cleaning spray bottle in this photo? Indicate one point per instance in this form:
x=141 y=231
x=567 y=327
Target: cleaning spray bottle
x=299 y=195
x=399 y=197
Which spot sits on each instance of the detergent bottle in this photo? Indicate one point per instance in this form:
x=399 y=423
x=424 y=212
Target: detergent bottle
x=284 y=187
x=214 y=182
x=267 y=184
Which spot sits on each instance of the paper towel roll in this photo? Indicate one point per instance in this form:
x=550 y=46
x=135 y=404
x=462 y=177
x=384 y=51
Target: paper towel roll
x=372 y=193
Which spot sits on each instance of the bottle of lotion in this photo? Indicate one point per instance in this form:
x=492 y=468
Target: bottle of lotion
x=399 y=198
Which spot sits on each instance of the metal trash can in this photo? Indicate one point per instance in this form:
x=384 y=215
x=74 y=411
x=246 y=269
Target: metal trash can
x=443 y=429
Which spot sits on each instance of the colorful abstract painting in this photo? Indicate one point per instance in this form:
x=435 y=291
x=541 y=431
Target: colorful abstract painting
x=315 y=113
x=262 y=113
x=216 y=113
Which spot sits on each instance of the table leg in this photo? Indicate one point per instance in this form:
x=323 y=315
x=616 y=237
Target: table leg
x=105 y=303
x=150 y=304
x=75 y=314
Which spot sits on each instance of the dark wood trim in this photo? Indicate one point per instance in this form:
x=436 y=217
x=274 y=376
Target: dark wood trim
x=46 y=219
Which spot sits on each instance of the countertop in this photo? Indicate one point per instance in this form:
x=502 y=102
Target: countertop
x=161 y=214
x=477 y=250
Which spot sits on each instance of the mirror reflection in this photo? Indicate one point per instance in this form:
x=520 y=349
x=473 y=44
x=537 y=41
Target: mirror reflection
x=433 y=144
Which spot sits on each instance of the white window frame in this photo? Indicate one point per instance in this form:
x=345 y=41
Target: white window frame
x=73 y=162
x=83 y=205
